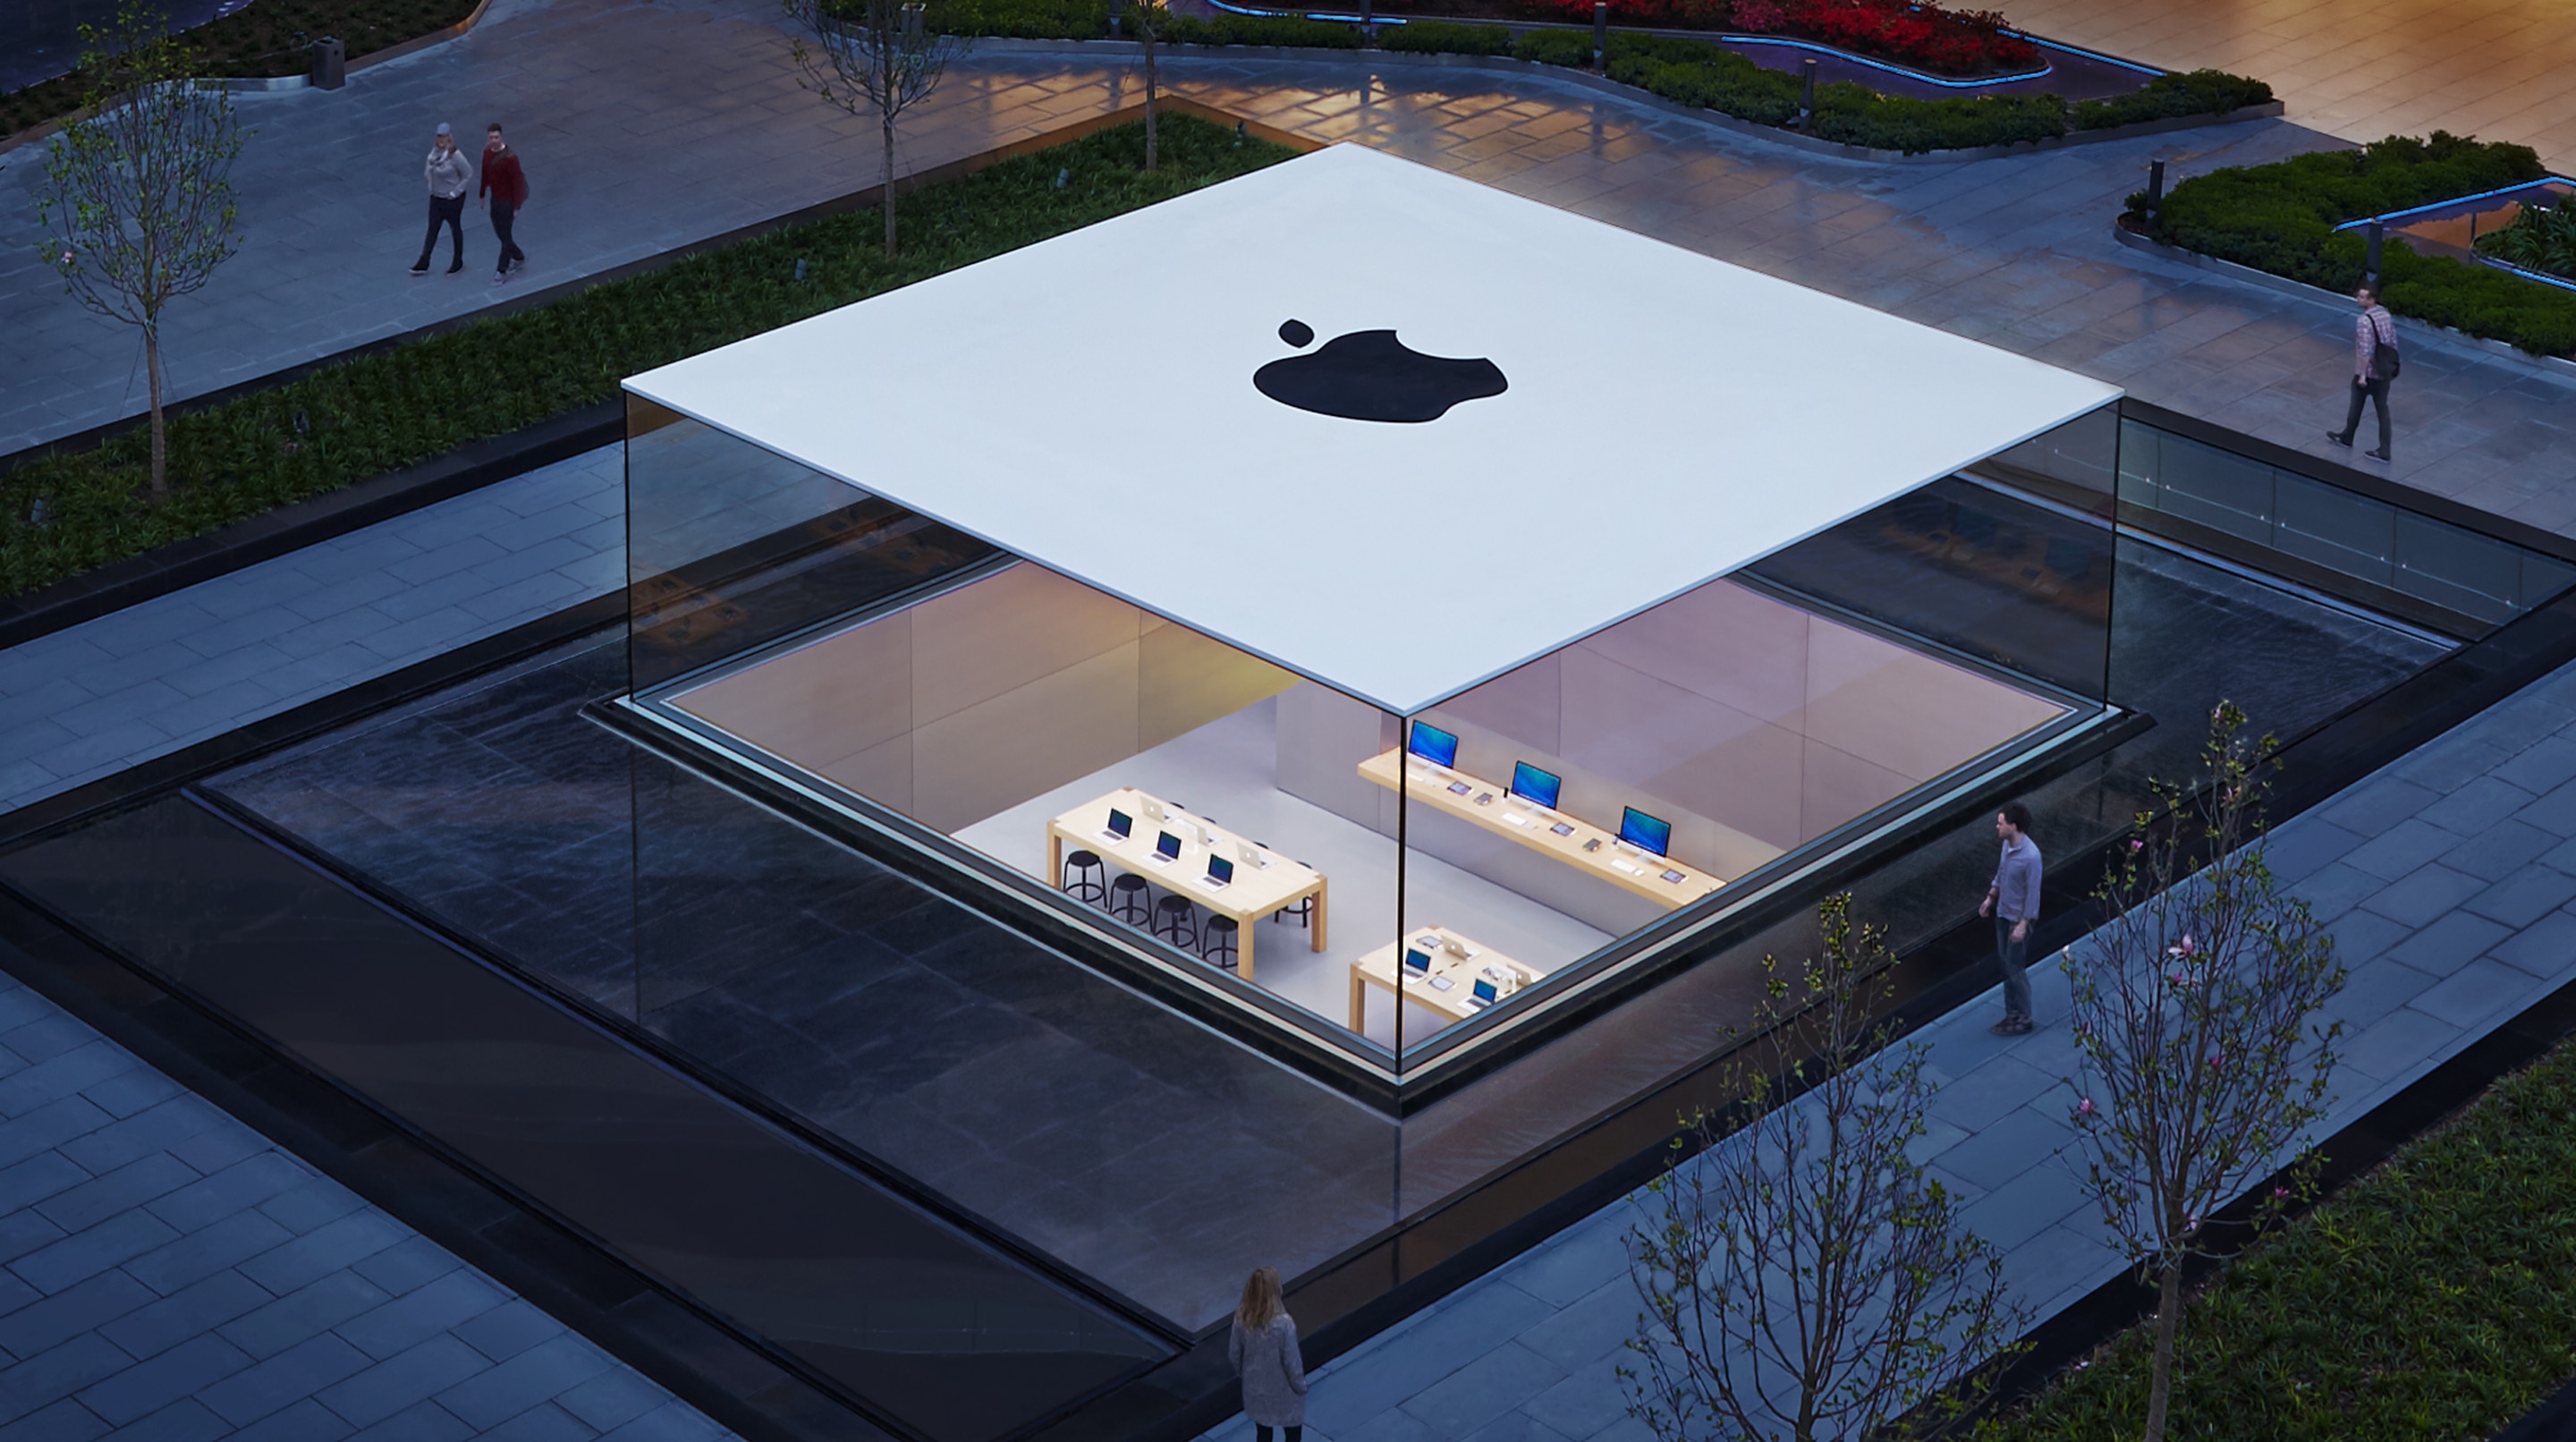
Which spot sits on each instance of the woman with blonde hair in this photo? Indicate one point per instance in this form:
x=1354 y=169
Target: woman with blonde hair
x=1264 y=1352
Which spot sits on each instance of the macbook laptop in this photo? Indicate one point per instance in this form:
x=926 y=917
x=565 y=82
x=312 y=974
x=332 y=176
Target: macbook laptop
x=1220 y=872
x=1167 y=847
x=1121 y=825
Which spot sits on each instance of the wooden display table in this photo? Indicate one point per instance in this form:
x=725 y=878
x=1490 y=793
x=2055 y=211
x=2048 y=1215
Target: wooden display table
x=1483 y=803
x=1425 y=989
x=1256 y=891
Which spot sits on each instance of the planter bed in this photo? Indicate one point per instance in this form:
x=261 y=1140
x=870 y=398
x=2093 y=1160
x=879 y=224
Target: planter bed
x=2296 y=221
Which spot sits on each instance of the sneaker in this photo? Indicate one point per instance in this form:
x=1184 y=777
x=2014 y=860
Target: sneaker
x=500 y=277
x=2376 y=455
x=518 y=265
x=421 y=269
x=453 y=269
x=2011 y=1026
x=2340 y=439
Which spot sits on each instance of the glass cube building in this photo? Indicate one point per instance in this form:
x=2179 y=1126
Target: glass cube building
x=1390 y=664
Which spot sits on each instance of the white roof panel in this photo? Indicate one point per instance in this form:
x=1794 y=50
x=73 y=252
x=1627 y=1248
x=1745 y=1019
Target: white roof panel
x=1088 y=402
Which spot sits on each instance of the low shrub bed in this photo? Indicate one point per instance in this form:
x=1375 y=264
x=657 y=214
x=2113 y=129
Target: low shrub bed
x=272 y=37
x=2200 y=92
x=2281 y=218
x=1692 y=72
x=2427 y=1302
x=349 y=422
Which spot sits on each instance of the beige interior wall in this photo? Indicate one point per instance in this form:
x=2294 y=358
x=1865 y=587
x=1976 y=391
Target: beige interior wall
x=984 y=695
x=1752 y=725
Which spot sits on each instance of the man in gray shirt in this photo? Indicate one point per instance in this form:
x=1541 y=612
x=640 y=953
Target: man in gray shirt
x=2013 y=901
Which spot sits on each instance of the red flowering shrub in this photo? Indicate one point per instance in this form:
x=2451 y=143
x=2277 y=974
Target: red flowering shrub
x=1925 y=35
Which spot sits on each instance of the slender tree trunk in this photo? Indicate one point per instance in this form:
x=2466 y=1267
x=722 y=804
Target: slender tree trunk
x=1153 y=150
x=885 y=196
x=2168 y=1319
x=160 y=428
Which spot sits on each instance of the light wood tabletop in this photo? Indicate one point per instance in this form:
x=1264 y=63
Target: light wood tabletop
x=1579 y=844
x=1266 y=883
x=1446 y=988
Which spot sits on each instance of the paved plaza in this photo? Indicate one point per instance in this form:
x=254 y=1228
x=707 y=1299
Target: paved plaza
x=169 y=1271
x=704 y=130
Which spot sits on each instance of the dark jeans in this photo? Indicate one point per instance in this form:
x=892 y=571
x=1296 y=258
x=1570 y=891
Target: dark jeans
x=505 y=215
x=449 y=213
x=2009 y=956
x=1262 y=1434
x=2374 y=390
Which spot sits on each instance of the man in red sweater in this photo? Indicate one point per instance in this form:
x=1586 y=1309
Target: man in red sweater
x=505 y=190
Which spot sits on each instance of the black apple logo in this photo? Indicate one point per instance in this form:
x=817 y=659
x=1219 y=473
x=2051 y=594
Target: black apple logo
x=1369 y=375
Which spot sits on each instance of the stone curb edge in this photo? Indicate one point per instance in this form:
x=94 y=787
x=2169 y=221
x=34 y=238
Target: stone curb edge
x=1586 y=80
x=2557 y=368
x=291 y=527
x=256 y=84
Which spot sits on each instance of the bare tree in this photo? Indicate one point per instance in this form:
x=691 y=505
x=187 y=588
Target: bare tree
x=137 y=200
x=1149 y=17
x=2198 y=1057
x=1805 y=1279
x=872 y=58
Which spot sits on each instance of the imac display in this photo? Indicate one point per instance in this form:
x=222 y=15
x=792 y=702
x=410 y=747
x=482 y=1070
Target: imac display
x=1646 y=833
x=1537 y=787
x=1434 y=745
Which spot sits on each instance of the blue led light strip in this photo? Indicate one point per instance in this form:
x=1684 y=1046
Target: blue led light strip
x=2460 y=200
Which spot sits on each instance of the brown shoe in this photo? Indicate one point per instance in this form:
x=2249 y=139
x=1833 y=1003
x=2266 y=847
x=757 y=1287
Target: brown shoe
x=2012 y=1026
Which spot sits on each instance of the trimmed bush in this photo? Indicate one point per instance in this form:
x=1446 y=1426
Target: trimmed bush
x=2281 y=218
x=1020 y=19
x=1261 y=30
x=1858 y=115
x=1569 y=48
x=349 y=422
x=2201 y=92
x=1445 y=37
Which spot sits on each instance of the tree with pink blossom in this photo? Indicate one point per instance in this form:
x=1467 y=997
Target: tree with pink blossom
x=2200 y=1058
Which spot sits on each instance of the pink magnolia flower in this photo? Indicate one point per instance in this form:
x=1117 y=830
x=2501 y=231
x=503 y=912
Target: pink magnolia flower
x=2186 y=948
x=2137 y=845
x=67 y=257
x=2280 y=1194
x=2085 y=1108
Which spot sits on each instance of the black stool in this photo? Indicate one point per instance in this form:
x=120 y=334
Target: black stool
x=1127 y=898
x=1217 y=942
x=1304 y=910
x=1176 y=921
x=1079 y=880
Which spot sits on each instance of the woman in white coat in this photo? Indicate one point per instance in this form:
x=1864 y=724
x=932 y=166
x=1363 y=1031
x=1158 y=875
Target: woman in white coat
x=1264 y=1352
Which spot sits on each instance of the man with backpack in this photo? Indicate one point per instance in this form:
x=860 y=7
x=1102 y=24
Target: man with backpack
x=2374 y=365
x=505 y=190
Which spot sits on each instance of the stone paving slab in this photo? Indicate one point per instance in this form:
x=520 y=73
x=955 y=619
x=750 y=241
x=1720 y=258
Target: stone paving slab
x=2423 y=988
x=166 y=1272
x=93 y=699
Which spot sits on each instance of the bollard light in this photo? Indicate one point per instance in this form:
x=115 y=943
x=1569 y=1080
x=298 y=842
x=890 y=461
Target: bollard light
x=2370 y=260
x=1117 y=18
x=2155 y=187
x=1807 y=93
x=1600 y=34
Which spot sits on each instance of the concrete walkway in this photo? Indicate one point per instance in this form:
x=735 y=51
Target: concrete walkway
x=2447 y=879
x=167 y=1273
x=94 y=699
x=2016 y=252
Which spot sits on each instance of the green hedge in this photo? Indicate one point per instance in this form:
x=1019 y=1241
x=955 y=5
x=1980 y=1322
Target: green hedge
x=1261 y=30
x=2280 y=218
x=1445 y=37
x=1696 y=72
x=2201 y=92
x=404 y=406
x=1569 y=48
x=2427 y=1302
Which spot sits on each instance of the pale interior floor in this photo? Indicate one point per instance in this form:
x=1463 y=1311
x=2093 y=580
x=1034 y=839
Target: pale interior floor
x=1226 y=771
x=2360 y=69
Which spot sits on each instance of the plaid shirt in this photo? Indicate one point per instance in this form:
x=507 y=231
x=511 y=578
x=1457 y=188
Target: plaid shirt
x=2375 y=326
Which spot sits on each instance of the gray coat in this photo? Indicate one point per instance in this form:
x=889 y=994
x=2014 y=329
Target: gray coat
x=1274 y=1376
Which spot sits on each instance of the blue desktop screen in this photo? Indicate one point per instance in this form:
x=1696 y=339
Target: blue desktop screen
x=1647 y=832
x=1434 y=745
x=1531 y=784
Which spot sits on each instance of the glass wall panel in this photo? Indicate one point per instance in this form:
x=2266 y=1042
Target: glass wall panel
x=730 y=547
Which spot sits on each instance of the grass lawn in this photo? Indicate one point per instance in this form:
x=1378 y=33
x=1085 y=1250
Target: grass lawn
x=2433 y=1300
x=349 y=422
